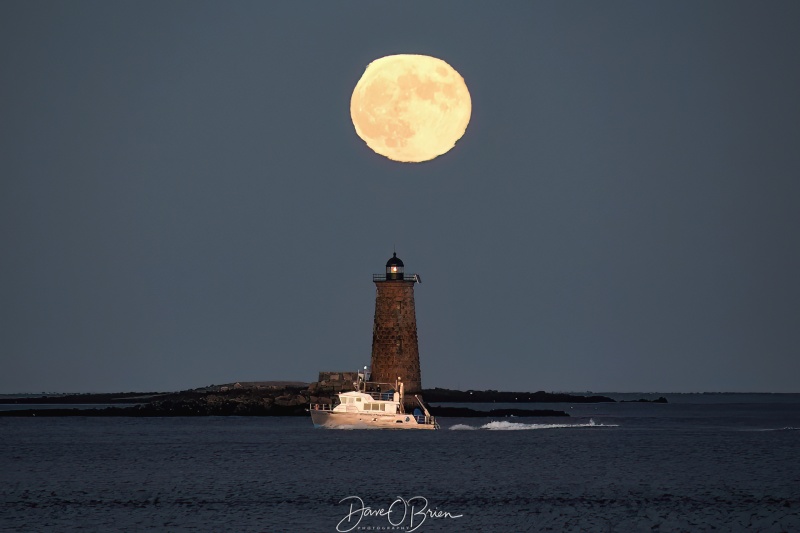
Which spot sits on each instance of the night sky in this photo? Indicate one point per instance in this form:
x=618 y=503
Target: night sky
x=184 y=200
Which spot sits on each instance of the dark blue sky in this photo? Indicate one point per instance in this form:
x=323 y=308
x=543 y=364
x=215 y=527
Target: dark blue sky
x=184 y=200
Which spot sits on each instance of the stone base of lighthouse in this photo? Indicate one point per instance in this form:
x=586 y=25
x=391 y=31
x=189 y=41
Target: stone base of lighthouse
x=395 y=350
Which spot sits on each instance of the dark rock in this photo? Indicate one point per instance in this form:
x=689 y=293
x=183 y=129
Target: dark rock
x=492 y=396
x=660 y=399
x=271 y=401
x=465 y=412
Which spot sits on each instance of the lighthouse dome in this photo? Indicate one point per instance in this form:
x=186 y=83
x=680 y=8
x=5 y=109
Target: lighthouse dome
x=394 y=261
x=394 y=268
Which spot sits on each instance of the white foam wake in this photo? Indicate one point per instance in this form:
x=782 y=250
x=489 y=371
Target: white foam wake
x=462 y=426
x=502 y=425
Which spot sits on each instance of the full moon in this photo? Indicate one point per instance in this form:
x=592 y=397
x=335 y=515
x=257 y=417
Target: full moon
x=410 y=108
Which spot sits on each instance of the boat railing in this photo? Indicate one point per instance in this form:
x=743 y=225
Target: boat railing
x=322 y=406
x=428 y=420
x=382 y=396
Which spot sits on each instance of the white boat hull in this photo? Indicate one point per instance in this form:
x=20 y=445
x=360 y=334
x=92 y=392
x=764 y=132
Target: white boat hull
x=361 y=420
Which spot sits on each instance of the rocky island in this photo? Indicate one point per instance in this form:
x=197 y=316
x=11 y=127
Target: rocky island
x=269 y=398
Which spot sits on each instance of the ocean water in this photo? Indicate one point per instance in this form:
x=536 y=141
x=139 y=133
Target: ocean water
x=727 y=463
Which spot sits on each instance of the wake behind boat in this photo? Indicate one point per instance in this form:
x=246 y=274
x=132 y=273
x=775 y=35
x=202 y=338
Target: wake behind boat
x=369 y=407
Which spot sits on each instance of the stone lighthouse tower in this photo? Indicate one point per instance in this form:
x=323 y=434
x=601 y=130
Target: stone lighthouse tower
x=395 y=352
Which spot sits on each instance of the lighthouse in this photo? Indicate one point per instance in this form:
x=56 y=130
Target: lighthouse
x=395 y=351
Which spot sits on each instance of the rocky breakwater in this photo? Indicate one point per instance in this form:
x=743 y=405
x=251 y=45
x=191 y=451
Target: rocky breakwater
x=261 y=401
x=438 y=395
x=277 y=399
x=660 y=399
x=230 y=403
x=233 y=399
x=465 y=412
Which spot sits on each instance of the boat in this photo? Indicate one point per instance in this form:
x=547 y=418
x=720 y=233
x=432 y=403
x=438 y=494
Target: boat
x=372 y=405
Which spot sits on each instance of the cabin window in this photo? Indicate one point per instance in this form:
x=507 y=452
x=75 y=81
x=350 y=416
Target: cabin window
x=358 y=399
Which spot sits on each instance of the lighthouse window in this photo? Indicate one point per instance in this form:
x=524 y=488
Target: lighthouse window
x=393 y=269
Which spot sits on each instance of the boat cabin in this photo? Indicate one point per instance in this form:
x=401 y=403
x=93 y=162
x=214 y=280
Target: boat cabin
x=371 y=402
